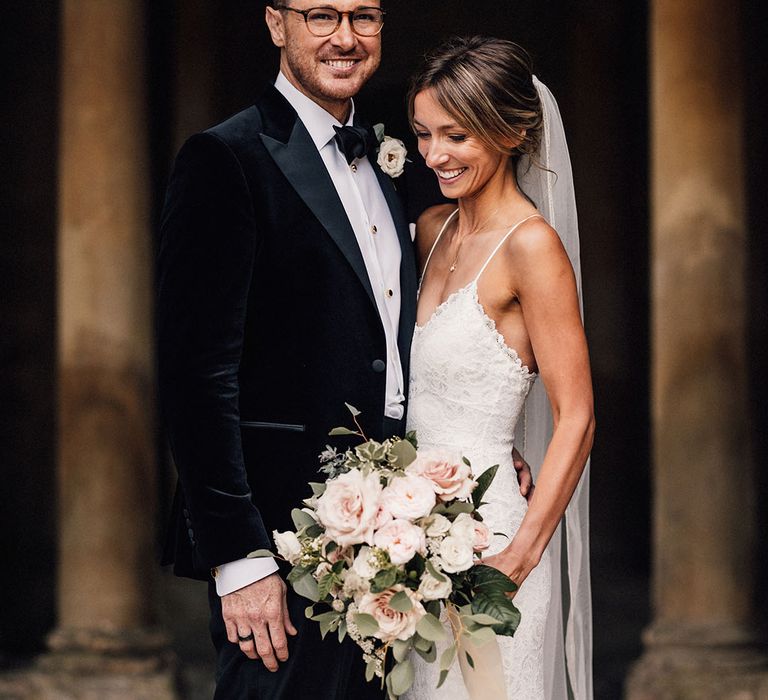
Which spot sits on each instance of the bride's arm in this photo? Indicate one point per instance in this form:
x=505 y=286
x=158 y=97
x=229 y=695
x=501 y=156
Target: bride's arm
x=544 y=284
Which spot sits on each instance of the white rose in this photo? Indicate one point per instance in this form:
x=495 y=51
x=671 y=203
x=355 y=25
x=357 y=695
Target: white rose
x=322 y=569
x=437 y=525
x=288 y=545
x=450 y=476
x=482 y=536
x=432 y=589
x=401 y=539
x=391 y=158
x=392 y=623
x=463 y=528
x=409 y=496
x=364 y=565
x=383 y=516
x=354 y=584
x=347 y=509
x=455 y=554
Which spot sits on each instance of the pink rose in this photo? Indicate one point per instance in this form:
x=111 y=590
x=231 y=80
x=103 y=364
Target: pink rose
x=450 y=476
x=383 y=516
x=482 y=536
x=401 y=539
x=410 y=496
x=348 y=507
x=392 y=623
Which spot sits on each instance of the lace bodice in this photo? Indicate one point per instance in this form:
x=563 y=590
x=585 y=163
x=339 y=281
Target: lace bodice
x=467 y=392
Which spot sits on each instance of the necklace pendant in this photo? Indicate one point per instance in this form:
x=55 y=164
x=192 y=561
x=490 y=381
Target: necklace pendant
x=452 y=267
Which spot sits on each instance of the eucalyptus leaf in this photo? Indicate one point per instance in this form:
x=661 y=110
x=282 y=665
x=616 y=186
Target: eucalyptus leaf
x=411 y=437
x=470 y=660
x=401 y=677
x=460 y=507
x=403 y=453
x=483 y=482
x=434 y=572
x=442 y=677
x=317 y=488
x=447 y=657
x=481 y=635
x=352 y=409
x=400 y=602
x=370 y=671
x=429 y=654
x=483 y=619
x=466 y=461
x=314 y=530
x=259 y=553
x=384 y=579
x=400 y=648
x=306 y=586
x=430 y=628
x=302 y=519
x=421 y=644
x=366 y=624
x=309 y=611
x=342 y=431
x=378 y=129
x=342 y=631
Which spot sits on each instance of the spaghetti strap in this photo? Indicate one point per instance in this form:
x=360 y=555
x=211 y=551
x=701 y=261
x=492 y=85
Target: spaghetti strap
x=439 y=235
x=501 y=242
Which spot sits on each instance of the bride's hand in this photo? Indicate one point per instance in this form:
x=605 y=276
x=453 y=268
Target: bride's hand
x=514 y=561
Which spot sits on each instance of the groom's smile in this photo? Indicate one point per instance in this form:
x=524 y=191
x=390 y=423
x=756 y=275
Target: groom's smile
x=329 y=69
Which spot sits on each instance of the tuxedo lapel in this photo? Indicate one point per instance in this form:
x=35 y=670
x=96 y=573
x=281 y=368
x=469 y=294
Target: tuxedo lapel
x=300 y=162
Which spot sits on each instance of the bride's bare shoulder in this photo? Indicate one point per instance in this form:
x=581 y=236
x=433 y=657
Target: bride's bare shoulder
x=428 y=227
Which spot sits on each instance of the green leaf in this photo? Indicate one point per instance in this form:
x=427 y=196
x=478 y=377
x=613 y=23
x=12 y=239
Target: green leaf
x=460 y=507
x=430 y=628
x=302 y=519
x=435 y=573
x=342 y=630
x=314 y=530
x=378 y=129
x=259 y=553
x=466 y=461
x=470 y=660
x=352 y=409
x=481 y=635
x=327 y=622
x=429 y=654
x=366 y=624
x=401 y=677
x=325 y=584
x=483 y=482
x=403 y=453
x=446 y=661
x=317 y=488
x=500 y=607
x=483 y=619
x=306 y=586
x=400 y=602
x=384 y=579
x=309 y=611
x=421 y=644
x=370 y=671
x=400 y=648
x=342 y=431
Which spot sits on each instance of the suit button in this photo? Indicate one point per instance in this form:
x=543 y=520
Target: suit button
x=378 y=365
x=189 y=523
x=191 y=535
x=186 y=513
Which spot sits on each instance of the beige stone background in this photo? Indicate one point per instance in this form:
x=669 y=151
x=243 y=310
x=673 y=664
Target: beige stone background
x=663 y=105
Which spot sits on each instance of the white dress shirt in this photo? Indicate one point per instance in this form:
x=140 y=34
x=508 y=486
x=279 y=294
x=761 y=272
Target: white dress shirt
x=371 y=220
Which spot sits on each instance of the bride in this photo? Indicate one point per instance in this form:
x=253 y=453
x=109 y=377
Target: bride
x=499 y=309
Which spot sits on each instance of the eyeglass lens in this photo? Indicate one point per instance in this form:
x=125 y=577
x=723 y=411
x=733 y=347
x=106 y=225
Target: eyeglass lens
x=366 y=21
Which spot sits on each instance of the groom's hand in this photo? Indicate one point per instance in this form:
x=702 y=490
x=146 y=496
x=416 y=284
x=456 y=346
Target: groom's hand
x=524 y=476
x=259 y=613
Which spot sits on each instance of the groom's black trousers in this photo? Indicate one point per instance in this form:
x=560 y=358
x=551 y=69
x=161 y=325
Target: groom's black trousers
x=316 y=668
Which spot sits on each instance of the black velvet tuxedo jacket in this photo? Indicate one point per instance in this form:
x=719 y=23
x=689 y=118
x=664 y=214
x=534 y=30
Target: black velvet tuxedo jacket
x=266 y=326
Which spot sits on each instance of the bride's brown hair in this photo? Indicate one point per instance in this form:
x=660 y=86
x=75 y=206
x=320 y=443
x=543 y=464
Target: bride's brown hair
x=486 y=85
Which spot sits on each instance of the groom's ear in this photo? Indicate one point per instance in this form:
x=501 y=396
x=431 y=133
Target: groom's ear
x=274 y=20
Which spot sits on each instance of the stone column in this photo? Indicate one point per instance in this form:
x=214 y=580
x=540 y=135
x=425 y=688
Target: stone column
x=104 y=645
x=701 y=643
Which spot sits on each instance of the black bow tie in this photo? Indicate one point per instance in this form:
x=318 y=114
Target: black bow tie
x=355 y=141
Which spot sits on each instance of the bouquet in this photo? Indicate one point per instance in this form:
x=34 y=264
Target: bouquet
x=391 y=537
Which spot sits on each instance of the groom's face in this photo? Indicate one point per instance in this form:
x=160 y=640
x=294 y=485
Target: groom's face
x=329 y=69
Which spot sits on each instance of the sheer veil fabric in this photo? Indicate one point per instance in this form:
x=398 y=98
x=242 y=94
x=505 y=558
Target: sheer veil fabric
x=549 y=183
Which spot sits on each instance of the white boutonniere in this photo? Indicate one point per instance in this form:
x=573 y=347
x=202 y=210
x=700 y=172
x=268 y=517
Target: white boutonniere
x=392 y=153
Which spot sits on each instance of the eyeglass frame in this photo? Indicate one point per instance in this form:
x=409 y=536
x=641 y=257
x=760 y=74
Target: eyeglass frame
x=341 y=15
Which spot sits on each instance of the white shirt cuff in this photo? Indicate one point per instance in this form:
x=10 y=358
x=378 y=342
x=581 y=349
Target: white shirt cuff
x=243 y=572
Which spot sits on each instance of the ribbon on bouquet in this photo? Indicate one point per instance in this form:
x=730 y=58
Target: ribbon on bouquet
x=486 y=679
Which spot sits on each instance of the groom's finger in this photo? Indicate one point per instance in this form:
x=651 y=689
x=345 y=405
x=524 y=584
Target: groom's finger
x=287 y=621
x=264 y=647
x=279 y=640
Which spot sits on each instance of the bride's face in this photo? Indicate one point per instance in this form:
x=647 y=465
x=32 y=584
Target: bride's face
x=463 y=164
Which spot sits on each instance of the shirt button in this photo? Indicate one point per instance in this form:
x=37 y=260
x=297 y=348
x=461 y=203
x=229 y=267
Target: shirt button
x=390 y=293
x=353 y=168
x=378 y=366
x=374 y=229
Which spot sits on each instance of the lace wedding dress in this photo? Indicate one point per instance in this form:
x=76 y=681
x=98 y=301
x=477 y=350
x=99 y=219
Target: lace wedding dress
x=467 y=390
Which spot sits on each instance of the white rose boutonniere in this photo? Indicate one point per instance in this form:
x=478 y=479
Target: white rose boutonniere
x=392 y=153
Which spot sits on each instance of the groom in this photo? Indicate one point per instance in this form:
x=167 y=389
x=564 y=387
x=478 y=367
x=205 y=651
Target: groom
x=287 y=287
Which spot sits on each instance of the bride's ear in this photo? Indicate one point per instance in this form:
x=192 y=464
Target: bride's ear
x=513 y=143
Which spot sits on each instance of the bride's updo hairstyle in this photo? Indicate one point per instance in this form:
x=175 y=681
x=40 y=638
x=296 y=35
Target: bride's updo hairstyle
x=486 y=85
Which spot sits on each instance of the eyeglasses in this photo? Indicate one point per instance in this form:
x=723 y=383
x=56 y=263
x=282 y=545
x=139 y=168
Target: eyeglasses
x=324 y=21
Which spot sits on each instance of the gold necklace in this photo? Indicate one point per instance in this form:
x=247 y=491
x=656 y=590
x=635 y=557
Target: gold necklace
x=461 y=242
